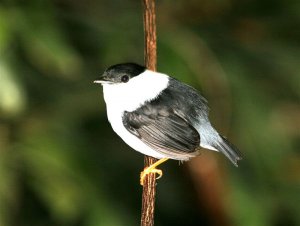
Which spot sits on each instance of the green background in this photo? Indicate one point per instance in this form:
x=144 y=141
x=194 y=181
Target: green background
x=62 y=165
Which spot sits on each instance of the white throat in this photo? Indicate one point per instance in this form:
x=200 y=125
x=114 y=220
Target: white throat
x=131 y=95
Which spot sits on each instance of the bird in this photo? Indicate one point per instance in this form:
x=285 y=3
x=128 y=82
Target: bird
x=159 y=116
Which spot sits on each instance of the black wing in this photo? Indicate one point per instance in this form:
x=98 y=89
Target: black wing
x=163 y=130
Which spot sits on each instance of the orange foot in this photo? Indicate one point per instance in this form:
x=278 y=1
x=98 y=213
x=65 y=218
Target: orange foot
x=152 y=169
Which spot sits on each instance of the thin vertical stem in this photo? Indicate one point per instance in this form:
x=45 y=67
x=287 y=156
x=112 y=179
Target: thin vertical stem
x=150 y=34
x=149 y=187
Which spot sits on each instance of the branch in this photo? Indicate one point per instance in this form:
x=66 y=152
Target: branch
x=149 y=189
x=150 y=34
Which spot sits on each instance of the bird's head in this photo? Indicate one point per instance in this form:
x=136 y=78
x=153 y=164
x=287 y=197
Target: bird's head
x=120 y=73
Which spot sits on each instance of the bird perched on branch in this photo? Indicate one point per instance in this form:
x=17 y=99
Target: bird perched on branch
x=160 y=116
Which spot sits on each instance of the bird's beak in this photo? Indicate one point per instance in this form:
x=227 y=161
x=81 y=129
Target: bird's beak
x=103 y=80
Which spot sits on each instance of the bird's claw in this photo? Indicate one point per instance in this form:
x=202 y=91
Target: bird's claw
x=150 y=170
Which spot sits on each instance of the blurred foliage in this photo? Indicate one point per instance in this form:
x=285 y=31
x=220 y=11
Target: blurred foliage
x=61 y=163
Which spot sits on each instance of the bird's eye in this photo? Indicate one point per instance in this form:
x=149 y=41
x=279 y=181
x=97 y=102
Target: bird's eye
x=125 y=78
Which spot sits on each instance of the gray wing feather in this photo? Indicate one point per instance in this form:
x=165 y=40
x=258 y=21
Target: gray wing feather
x=166 y=133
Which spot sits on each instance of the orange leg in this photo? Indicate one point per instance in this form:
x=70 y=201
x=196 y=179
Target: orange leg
x=152 y=169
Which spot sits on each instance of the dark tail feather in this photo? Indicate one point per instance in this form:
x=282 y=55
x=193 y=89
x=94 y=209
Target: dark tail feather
x=229 y=150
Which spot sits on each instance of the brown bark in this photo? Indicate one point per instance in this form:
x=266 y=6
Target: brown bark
x=149 y=187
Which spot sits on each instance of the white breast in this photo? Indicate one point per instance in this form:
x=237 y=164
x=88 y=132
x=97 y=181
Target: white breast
x=128 y=97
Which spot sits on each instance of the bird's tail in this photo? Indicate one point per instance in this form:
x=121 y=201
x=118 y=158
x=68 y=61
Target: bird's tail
x=229 y=150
